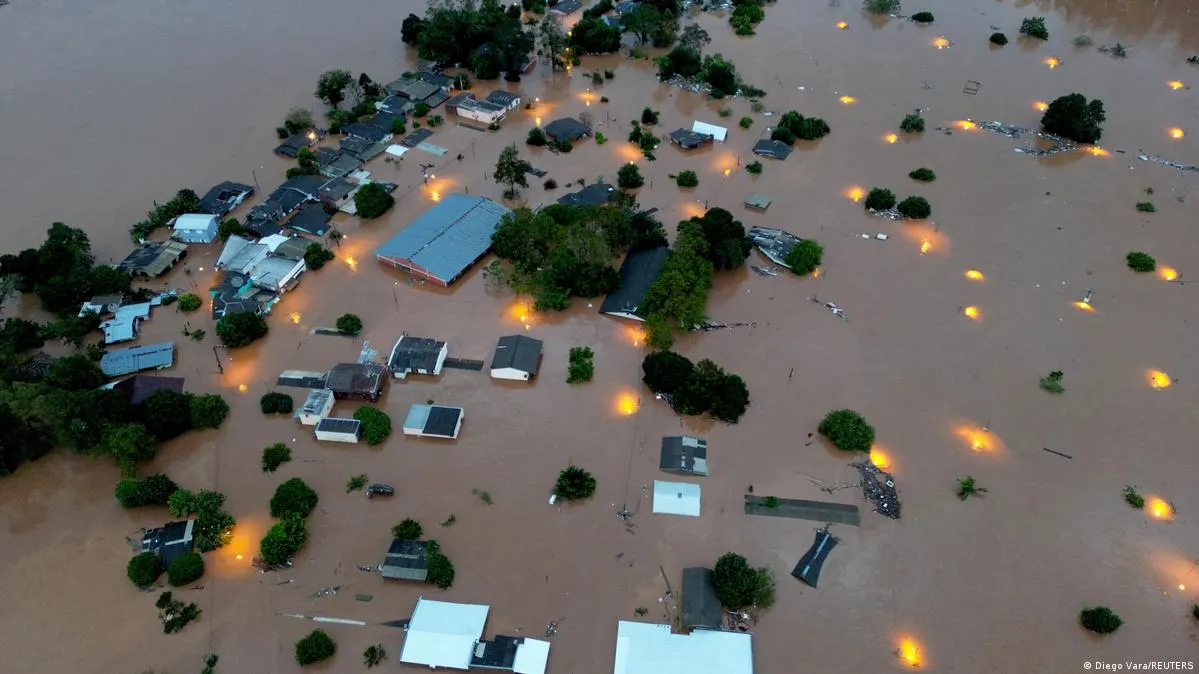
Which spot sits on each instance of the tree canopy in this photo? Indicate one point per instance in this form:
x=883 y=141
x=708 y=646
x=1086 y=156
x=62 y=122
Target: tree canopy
x=738 y=585
x=804 y=257
x=593 y=36
x=512 y=171
x=62 y=271
x=293 y=497
x=208 y=411
x=144 y=569
x=574 y=483
x=331 y=86
x=287 y=537
x=408 y=530
x=149 y=490
x=186 y=568
x=349 y=324
x=1073 y=117
x=372 y=200
x=792 y=126
x=482 y=36
x=376 y=425
x=242 y=329
x=847 y=430
x=696 y=389
x=317 y=646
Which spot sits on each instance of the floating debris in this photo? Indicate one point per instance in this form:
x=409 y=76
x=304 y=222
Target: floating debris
x=327 y=592
x=837 y=311
x=370 y=569
x=879 y=488
x=764 y=271
x=710 y=326
x=1165 y=162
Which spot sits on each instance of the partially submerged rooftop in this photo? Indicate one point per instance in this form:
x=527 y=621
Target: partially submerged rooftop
x=153 y=259
x=645 y=648
x=773 y=243
x=700 y=605
x=637 y=274
x=405 y=560
x=685 y=455
x=141 y=386
x=356 y=380
x=566 y=129
x=595 y=194
x=443 y=634
x=137 y=358
x=224 y=197
x=444 y=241
x=433 y=421
x=170 y=540
x=775 y=149
x=422 y=355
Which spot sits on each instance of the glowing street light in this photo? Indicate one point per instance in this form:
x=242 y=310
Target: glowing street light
x=1159 y=380
x=1177 y=134
x=1159 y=509
x=974 y=275
x=909 y=653
x=879 y=458
x=855 y=193
x=966 y=125
x=891 y=138
x=1041 y=106
x=972 y=312
x=841 y=25
x=1098 y=151
x=1052 y=62
x=925 y=246
x=847 y=100
x=1167 y=273
x=1175 y=84
x=295 y=317
x=941 y=42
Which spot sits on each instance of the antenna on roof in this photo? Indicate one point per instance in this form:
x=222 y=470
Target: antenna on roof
x=368 y=355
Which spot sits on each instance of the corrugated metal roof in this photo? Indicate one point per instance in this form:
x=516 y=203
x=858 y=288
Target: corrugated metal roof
x=135 y=358
x=448 y=238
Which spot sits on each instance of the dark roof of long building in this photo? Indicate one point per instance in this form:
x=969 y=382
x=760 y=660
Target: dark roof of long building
x=449 y=237
x=415 y=353
x=362 y=378
x=700 y=607
x=502 y=98
x=517 y=352
x=442 y=420
x=310 y=219
x=170 y=540
x=141 y=386
x=370 y=133
x=406 y=560
x=637 y=274
x=153 y=259
x=338 y=425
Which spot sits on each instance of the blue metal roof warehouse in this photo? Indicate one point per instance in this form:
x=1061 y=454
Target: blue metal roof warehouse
x=445 y=240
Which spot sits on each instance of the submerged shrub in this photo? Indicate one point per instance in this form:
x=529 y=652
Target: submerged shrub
x=1100 y=620
x=924 y=175
x=916 y=208
x=1140 y=262
x=999 y=39
x=1034 y=26
x=923 y=17
x=912 y=123
x=879 y=199
x=1146 y=207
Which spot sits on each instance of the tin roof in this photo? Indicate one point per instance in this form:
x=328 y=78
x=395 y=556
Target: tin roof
x=136 y=358
x=449 y=237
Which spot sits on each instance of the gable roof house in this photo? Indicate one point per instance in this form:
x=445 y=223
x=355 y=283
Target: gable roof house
x=405 y=560
x=517 y=357
x=235 y=294
x=122 y=327
x=595 y=194
x=775 y=149
x=717 y=132
x=137 y=358
x=646 y=648
x=170 y=540
x=434 y=421
x=195 y=228
x=418 y=90
x=311 y=220
x=466 y=105
x=399 y=105
x=773 y=243
x=291 y=146
x=446 y=240
x=277 y=273
x=566 y=129
x=337 y=193
x=685 y=455
x=241 y=254
x=333 y=163
x=356 y=381
x=420 y=355
x=637 y=274
x=151 y=260
x=383 y=120
x=361 y=148
x=365 y=132
x=224 y=197
x=700 y=605
x=140 y=386
x=505 y=99
x=289 y=247
x=689 y=140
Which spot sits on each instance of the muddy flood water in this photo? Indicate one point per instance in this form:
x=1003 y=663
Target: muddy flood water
x=107 y=106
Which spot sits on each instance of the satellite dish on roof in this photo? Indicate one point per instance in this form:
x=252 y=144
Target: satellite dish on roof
x=237 y=281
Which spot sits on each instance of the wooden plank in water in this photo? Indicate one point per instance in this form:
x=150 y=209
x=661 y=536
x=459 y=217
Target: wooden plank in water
x=816 y=511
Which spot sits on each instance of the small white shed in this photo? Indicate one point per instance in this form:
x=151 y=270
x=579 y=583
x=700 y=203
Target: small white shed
x=676 y=498
x=333 y=429
x=317 y=406
x=717 y=132
x=196 y=228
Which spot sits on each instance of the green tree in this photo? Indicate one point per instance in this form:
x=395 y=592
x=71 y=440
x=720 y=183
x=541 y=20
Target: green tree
x=189 y=302
x=574 y=483
x=293 y=497
x=804 y=257
x=729 y=399
x=592 y=36
x=998 y=39
x=165 y=414
x=228 y=228
x=1100 y=620
x=349 y=324
x=1140 y=262
x=912 y=123
x=239 y=330
x=914 y=208
x=924 y=175
x=274 y=456
x=208 y=411
x=376 y=425
x=687 y=179
x=181 y=503
x=738 y=585
x=408 y=530
x=315 y=647
x=298 y=119
x=411 y=28
x=186 y=568
x=130 y=445
x=642 y=21
x=536 y=137
x=276 y=402
x=666 y=371
x=629 y=177
x=879 y=199
x=75 y=373
x=150 y=490
x=331 y=86
x=144 y=569
x=512 y=171
x=847 y=430
x=720 y=74
x=440 y=568
x=287 y=537
x=372 y=200
x=727 y=243
x=214 y=528
x=1034 y=26
x=1075 y=118
x=316 y=256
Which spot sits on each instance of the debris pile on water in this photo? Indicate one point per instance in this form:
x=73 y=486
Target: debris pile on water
x=1162 y=160
x=879 y=488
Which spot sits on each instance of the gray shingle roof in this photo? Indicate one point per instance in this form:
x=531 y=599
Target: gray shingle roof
x=566 y=129
x=518 y=352
x=406 y=560
x=637 y=274
x=448 y=238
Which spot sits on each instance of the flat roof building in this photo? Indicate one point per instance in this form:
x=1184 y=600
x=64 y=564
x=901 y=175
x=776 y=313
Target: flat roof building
x=336 y=429
x=646 y=648
x=356 y=381
x=420 y=355
x=405 y=560
x=443 y=634
x=676 y=498
x=685 y=455
x=316 y=406
x=137 y=358
x=517 y=357
x=434 y=421
x=441 y=244
x=637 y=274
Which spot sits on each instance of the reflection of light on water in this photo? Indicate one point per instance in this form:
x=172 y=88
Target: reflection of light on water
x=817 y=272
x=537 y=121
x=890 y=138
x=295 y=317
x=1053 y=62
x=627 y=403
x=966 y=125
x=974 y=275
x=1041 y=105
x=941 y=42
x=972 y=312
x=846 y=100
x=925 y=246
x=1167 y=273
x=879 y=458
x=1159 y=380
x=353 y=264
x=977 y=439
x=728 y=171
x=1098 y=151
x=855 y=193
x=241 y=388
x=1175 y=84
x=1176 y=133
x=1159 y=509
x=519 y=311
x=909 y=652
x=841 y=25
x=1084 y=307
x=435 y=196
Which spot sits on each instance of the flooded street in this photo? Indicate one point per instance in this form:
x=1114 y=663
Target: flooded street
x=107 y=108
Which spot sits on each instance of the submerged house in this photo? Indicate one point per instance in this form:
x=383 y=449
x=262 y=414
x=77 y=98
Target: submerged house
x=170 y=540
x=450 y=635
x=775 y=149
x=446 y=240
x=773 y=243
x=646 y=648
x=335 y=429
x=434 y=421
x=566 y=130
x=317 y=406
x=137 y=358
x=718 y=133
x=255 y=261
x=809 y=566
x=195 y=228
x=690 y=140
x=151 y=260
x=405 y=560
x=356 y=381
x=685 y=455
x=676 y=498
x=516 y=357
x=419 y=355
x=310 y=220
x=140 y=386
x=292 y=145
x=236 y=294
x=700 y=606
x=224 y=197
x=595 y=194
x=505 y=99
x=466 y=105
x=637 y=274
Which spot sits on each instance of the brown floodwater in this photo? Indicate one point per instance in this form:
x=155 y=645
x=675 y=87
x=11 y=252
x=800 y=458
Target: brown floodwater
x=110 y=106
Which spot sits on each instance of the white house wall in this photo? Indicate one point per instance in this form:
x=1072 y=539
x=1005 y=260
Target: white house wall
x=336 y=437
x=510 y=373
x=485 y=116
